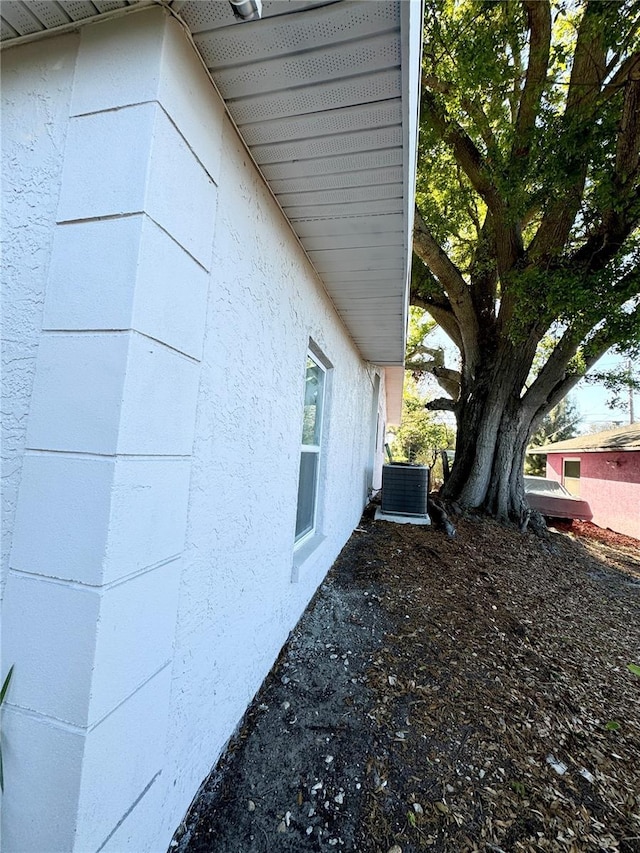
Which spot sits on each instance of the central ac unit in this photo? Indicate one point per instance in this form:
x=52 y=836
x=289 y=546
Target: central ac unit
x=405 y=489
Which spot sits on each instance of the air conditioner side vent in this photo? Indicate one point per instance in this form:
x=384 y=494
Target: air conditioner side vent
x=405 y=489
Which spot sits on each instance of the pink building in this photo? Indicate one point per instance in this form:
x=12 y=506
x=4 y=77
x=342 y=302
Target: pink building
x=604 y=469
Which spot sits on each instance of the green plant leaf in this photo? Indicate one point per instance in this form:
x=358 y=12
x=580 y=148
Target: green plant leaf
x=5 y=684
x=634 y=668
x=612 y=726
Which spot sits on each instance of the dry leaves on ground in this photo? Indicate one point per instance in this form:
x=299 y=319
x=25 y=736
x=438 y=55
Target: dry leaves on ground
x=458 y=695
x=512 y=715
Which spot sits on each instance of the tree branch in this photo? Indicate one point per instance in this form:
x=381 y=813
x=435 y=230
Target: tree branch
x=603 y=245
x=508 y=238
x=483 y=272
x=464 y=150
x=454 y=286
x=553 y=371
x=539 y=21
x=594 y=350
x=587 y=75
x=628 y=147
x=589 y=62
x=448 y=379
x=552 y=383
x=441 y=404
x=444 y=317
x=628 y=70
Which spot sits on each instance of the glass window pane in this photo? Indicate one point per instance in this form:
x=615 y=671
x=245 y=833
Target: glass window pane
x=306 y=492
x=572 y=468
x=571 y=479
x=313 y=395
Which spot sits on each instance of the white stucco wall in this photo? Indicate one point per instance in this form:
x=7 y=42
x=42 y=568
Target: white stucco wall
x=237 y=598
x=36 y=91
x=159 y=500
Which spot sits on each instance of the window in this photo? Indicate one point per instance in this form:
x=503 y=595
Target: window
x=571 y=475
x=314 y=388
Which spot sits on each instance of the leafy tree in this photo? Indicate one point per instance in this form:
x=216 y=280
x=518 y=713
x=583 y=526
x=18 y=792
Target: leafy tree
x=560 y=424
x=419 y=438
x=527 y=237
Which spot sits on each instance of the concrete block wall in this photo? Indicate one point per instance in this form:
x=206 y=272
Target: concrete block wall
x=91 y=595
x=153 y=576
x=243 y=584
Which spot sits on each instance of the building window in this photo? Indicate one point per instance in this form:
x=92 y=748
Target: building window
x=571 y=475
x=314 y=393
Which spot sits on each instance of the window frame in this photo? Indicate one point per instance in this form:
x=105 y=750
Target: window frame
x=315 y=449
x=571 y=484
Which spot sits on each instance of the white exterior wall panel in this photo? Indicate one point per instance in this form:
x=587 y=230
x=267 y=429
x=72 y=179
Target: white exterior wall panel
x=237 y=601
x=36 y=93
x=159 y=496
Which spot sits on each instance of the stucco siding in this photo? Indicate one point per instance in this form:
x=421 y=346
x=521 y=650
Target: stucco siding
x=240 y=593
x=610 y=482
x=36 y=92
x=158 y=313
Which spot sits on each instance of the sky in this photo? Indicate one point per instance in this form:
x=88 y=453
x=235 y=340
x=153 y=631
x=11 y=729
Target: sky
x=592 y=399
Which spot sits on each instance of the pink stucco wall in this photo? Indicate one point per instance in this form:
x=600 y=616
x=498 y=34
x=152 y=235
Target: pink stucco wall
x=610 y=482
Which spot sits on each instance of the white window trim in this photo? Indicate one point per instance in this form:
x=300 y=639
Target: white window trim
x=308 y=535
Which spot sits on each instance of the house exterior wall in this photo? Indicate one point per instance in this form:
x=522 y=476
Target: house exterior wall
x=163 y=311
x=36 y=93
x=237 y=598
x=610 y=482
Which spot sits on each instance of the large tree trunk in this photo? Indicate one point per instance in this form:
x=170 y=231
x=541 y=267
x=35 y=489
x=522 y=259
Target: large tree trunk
x=488 y=469
x=493 y=431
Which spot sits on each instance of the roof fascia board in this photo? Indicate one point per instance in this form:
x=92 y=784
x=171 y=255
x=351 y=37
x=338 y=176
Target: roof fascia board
x=411 y=23
x=569 y=450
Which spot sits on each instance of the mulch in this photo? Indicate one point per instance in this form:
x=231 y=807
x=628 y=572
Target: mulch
x=445 y=694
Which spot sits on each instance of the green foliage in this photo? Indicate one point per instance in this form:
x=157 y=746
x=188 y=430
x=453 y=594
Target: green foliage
x=560 y=424
x=476 y=58
x=3 y=693
x=419 y=438
x=634 y=668
x=420 y=325
x=519 y=788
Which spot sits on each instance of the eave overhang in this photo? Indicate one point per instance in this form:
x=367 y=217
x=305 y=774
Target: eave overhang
x=325 y=96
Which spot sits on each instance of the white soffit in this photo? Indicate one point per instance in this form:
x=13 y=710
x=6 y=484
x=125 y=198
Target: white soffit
x=325 y=95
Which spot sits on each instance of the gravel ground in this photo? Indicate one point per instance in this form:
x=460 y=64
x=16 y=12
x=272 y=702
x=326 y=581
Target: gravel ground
x=445 y=694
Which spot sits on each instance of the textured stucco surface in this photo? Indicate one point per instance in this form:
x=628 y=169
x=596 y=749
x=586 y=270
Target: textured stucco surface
x=212 y=431
x=610 y=482
x=237 y=600
x=36 y=92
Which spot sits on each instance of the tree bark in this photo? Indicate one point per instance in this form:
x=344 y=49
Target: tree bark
x=493 y=431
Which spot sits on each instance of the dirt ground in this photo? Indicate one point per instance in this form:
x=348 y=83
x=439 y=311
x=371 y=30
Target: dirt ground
x=464 y=694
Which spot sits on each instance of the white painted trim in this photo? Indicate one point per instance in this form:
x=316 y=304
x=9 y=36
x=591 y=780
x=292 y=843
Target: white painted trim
x=412 y=17
x=316 y=449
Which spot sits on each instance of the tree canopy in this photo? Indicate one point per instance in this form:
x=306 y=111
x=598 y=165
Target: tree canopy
x=527 y=237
